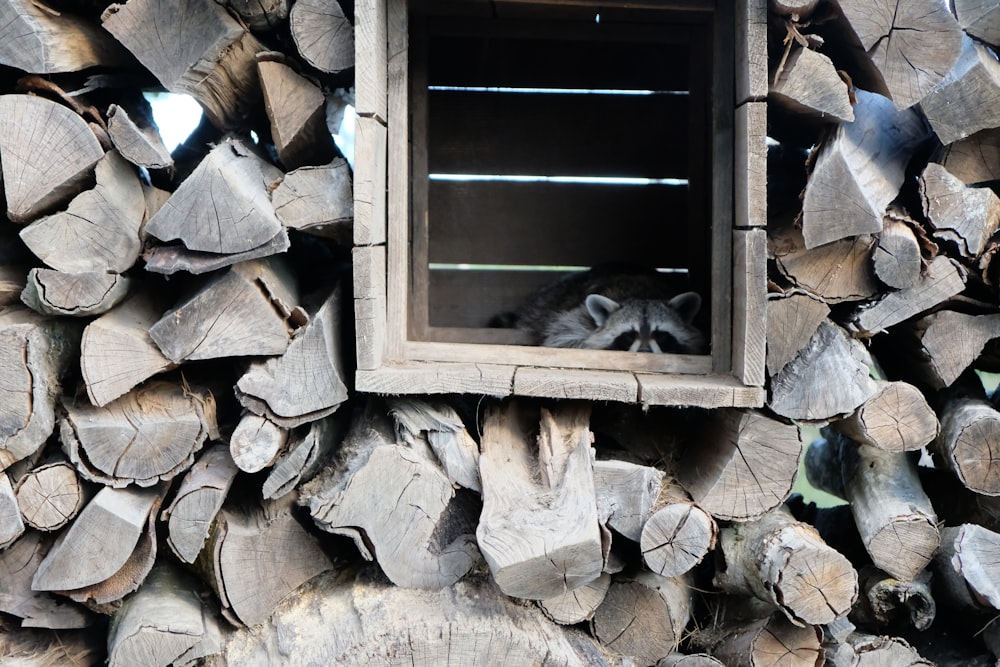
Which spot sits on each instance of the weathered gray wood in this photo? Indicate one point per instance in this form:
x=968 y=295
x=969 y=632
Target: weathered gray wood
x=50 y=496
x=243 y=311
x=969 y=429
x=370 y=174
x=979 y=18
x=769 y=641
x=964 y=216
x=743 y=465
x=48 y=154
x=835 y=272
x=579 y=604
x=256 y=442
x=138 y=633
x=859 y=170
x=897 y=261
x=317 y=200
x=887 y=598
x=966 y=101
x=947 y=342
x=51 y=292
x=173 y=258
x=149 y=435
x=241 y=216
x=260 y=14
x=786 y=564
x=643 y=616
x=796 y=315
x=809 y=85
x=36 y=609
x=975 y=159
x=967 y=567
x=689 y=660
x=323 y=35
x=676 y=537
x=199 y=498
x=195 y=48
x=539 y=526
x=862 y=649
x=12 y=283
x=896 y=418
x=295 y=107
x=370 y=47
x=11 y=521
x=433 y=428
x=749 y=338
x=306 y=453
x=828 y=377
x=913 y=43
x=400 y=529
x=626 y=494
x=36 y=39
x=140 y=145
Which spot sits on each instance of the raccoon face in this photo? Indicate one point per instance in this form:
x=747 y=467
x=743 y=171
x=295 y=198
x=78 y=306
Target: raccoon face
x=644 y=325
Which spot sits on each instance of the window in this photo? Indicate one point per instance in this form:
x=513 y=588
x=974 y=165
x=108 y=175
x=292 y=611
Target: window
x=516 y=139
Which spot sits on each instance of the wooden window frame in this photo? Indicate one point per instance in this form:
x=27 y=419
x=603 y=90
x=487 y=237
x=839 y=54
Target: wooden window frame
x=393 y=360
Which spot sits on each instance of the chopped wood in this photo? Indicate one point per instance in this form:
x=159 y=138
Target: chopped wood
x=538 y=530
x=34 y=352
x=304 y=456
x=260 y=14
x=829 y=377
x=896 y=418
x=579 y=604
x=117 y=353
x=835 y=272
x=741 y=465
x=317 y=200
x=946 y=343
x=49 y=152
x=676 y=537
x=626 y=494
x=966 y=101
x=969 y=428
x=139 y=635
x=862 y=650
x=913 y=43
x=35 y=38
x=770 y=641
x=170 y=259
x=140 y=145
x=258 y=556
x=809 y=85
x=241 y=217
x=199 y=498
x=797 y=315
x=214 y=322
x=51 y=292
x=195 y=48
x=859 y=170
x=966 y=567
x=306 y=382
x=979 y=18
x=256 y=442
x=421 y=534
x=323 y=35
x=974 y=159
x=11 y=521
x=643 y=616
x=897 y=261
x=943 y=279
x=959 y=214
x=296 y=108
x=433 y=428
x=36 y=609
x=50 y=496
x=887 y=599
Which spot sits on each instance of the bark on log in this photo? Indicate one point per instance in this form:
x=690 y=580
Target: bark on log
x=50 y=496
x=421 y=535
x=49 y=292
x=946 y=343
x=808 y=85
x=140 y=145
x=147 y=436
x=260 y=14
x=896 y=260
x=322 y=34
x=433 y=428
x=743 y=466
x=317 y=200
x=11 y=521
x=36 y=39
x=797 y=315
x=579 y=604
x=888 y=600
x=296 y=109
x=48 y=154
x=307 y=452
x=967 y=569
x=626 y=494
x=770 y=641
x=36 y=609
x=170 y=259
x=835 y=272
x=970 y=429
x=965 y=216
x=868 y=650
x=256 y=442
x=676 y=537
x=966 y=101
x=896 y=418
x=859 y=171
x=689 y=660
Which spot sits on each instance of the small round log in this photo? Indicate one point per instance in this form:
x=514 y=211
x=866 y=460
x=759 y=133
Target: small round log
x=50 y=496
x=676 y=537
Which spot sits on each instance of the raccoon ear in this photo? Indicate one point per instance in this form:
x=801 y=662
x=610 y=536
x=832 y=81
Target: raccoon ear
x=686 y=305
x=600 y=307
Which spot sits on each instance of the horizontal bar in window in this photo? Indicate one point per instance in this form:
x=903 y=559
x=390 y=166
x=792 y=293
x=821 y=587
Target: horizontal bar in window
x=447 y=266
x=592 y=180
x=555 y=91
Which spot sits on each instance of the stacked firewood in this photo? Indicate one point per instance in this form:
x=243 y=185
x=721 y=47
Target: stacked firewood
x=182 y=455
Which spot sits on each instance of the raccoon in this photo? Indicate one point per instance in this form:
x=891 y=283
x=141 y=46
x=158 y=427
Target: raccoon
x=613 y=308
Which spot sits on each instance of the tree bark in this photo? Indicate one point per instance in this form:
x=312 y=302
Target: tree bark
x=896 y=418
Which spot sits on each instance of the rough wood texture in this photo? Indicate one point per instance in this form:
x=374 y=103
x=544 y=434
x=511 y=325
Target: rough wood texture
x=37 y=39
x=808 y=84
x=965 y=102
x=296 y=108
x=256 y=442
x=861 y=649
x=626 y=494
x=736 y=471
x=896 y=418
x=969 y=429
x=50 y=292
x=975 y=159
x=835 y=272
x=538 y=529
x=958 y=214
x=260 y=14
x=50 y=496
x=48 y=154
x=979 y=18
x=323 y=35
x=770 y=641
x=435 y=429
x=966 y=567
x=888 y=598
x=306 y=453
x=896 y=261
x=11 y=521
x=170 y=259
x=140 y=145
x=945 y=343
x=676 y=537
x=797 y=315
x=786 y=564
x=859 y=170
x=35 y=609
x=579 y=604
x=317 y=200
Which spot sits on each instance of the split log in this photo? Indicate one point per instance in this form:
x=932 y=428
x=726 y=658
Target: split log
x=49 y=152
x=199 y=498
x=149 y=435
x=260 y=14
x=295 y=107
x=306 y=382
x=896 y=418
x=835 y=272
x=797 y=315
x=863 y=650
x=420 y=534
x=677 y=536
x=626 y=494
x=808 y=85
x=743 y=465
x=317 y=200
x=322 y=34
x=859 y=170
x=50 y=292
x=970 y=427
x=689 y=660
x=244 y=311
x=643 y=616
x=888 y=600
x=50 y=496
x=434 y=429
x=107 y=551
x=967 y=569
x=944 y=279
x=241 y=217
x=896 y=260
x=116 y=352
x=256 y=556
x=770 y=641
x=164 y=623
x=35 y=38
x=170 y=259
x=100 y=229
x=256 y=442
x=140 y=145
x=979 y=18
x=968 y=99
x=33 y=354
x=539 y=526
x=36 y=609
x=975 y=160
x=578 y=605
x=786 y=564
x=306 y=453
x=912 y=43
x=828 y=377
x=11 y=521
x=946 y=343
x=965 y=216
x=195 y=48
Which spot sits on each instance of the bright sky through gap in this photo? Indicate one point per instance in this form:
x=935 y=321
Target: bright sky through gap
x=176 y=115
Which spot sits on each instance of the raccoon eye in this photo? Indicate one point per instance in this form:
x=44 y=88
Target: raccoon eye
x=624 y=341
x=666 y=342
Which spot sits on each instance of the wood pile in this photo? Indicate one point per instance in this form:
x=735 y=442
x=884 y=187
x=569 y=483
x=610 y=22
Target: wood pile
x=188 y=476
